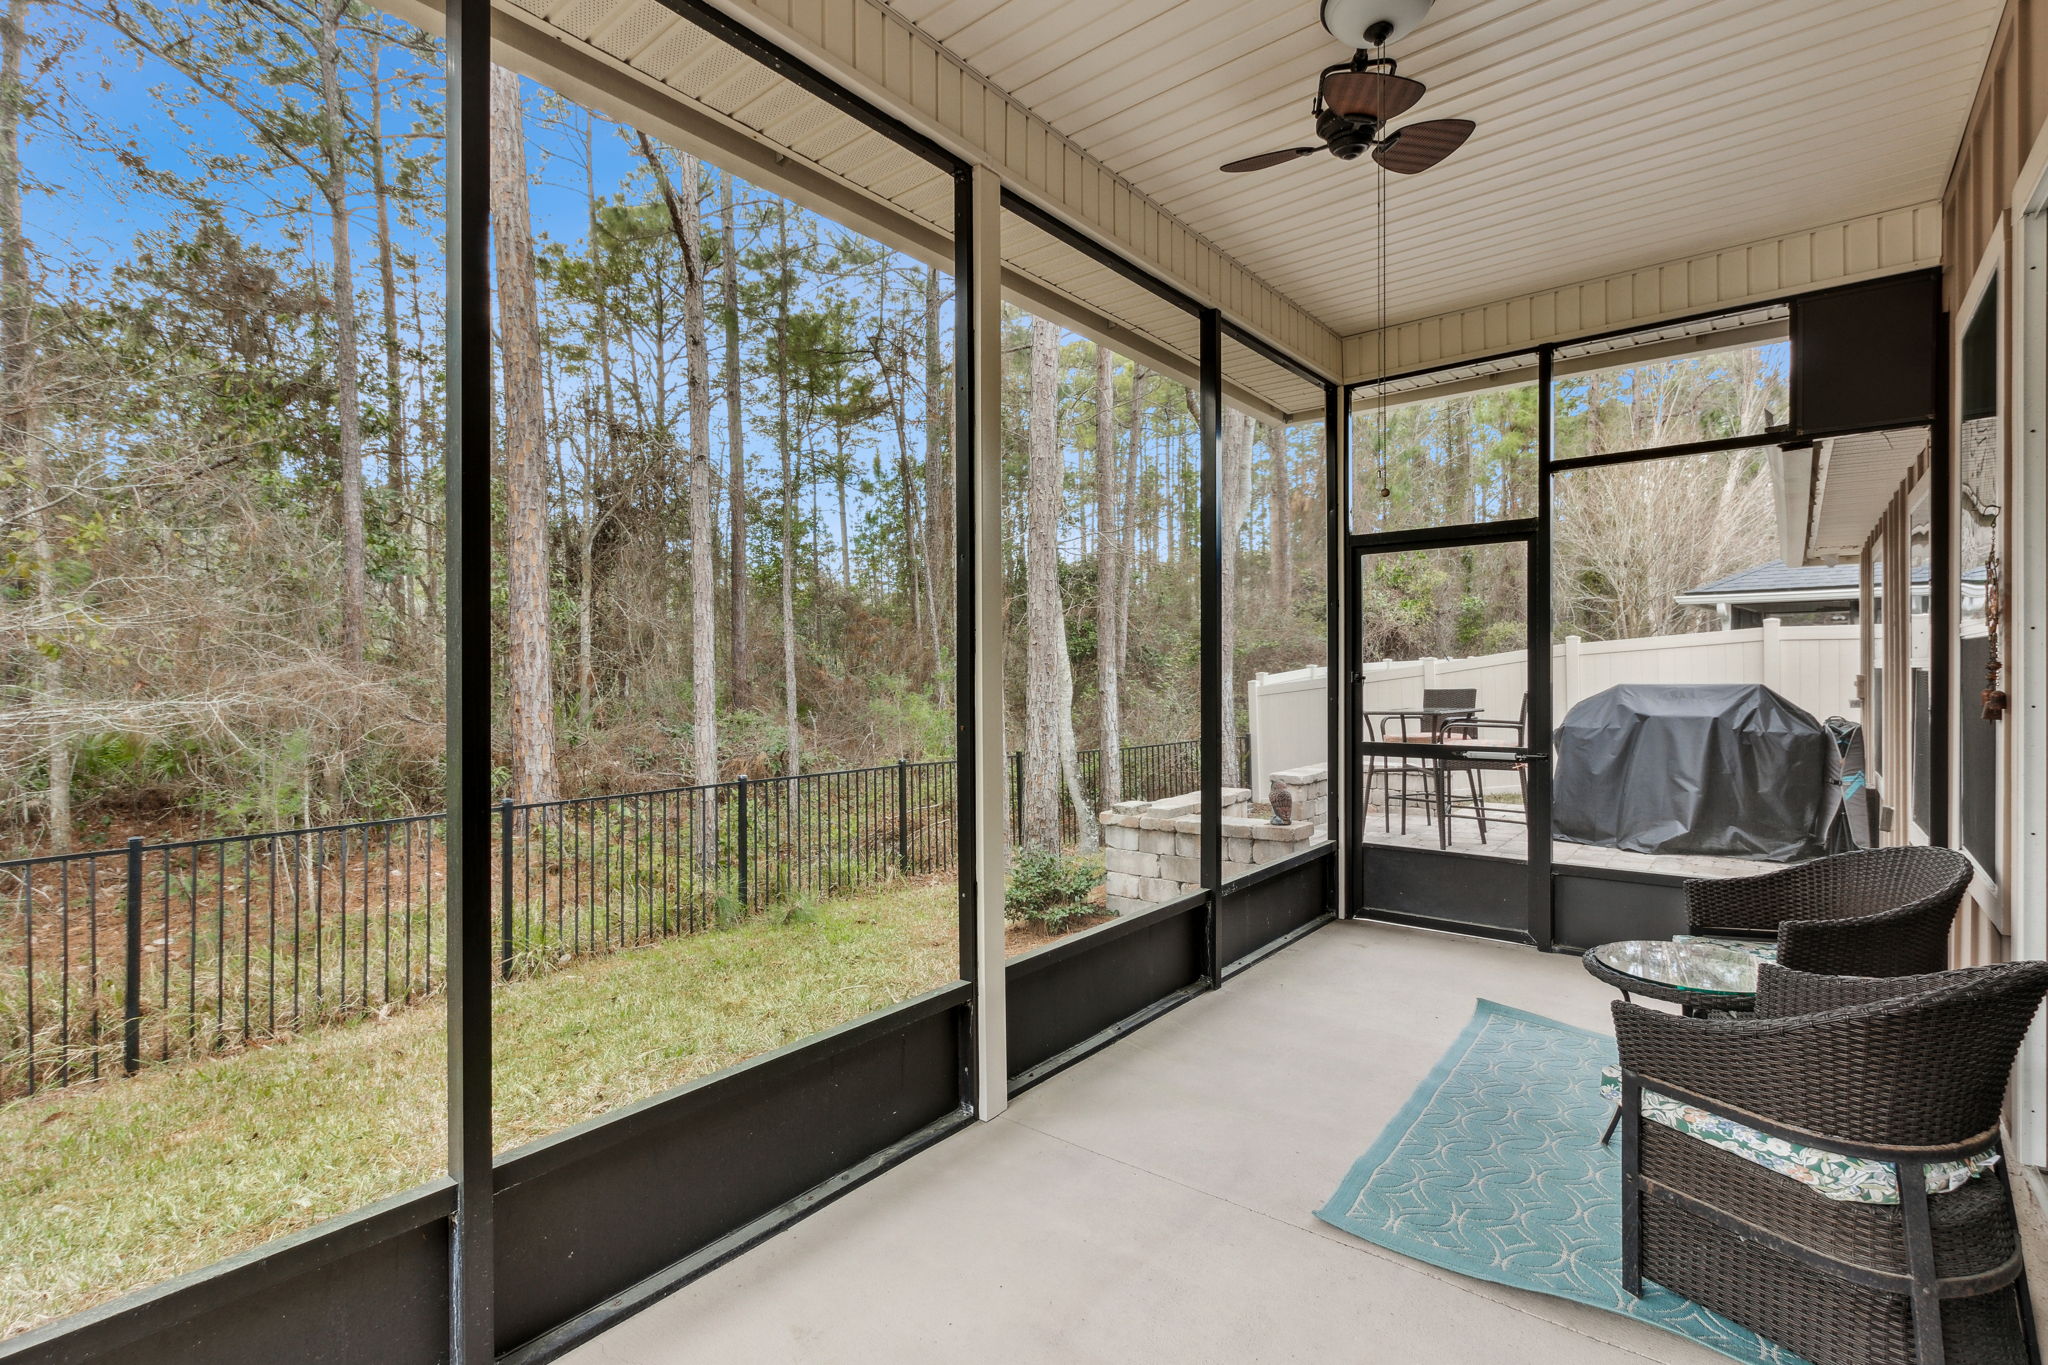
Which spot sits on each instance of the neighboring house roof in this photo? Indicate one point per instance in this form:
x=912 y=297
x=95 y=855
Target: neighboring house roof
x=1823 y=582
x=1778 y=580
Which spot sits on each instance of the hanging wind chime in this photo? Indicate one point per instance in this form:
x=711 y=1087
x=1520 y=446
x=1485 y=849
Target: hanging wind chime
x=1993 y=695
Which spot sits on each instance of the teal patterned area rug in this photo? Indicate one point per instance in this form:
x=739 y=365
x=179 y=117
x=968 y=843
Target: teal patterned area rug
x=1494 y=1169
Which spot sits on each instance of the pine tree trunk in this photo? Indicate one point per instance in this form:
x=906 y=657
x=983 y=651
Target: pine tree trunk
x=1045 y=624
x=1234 y=495
x=17 y=424
x=347 y=397
x=586 y=592
x=430 y=439
x=1090 y=835
x=1133 y=460
x=736 y=451
x=793 y=739
x=703 y=534
x=1281 y=539
x=917 y=569
x=938 y=484
x=603 y=435
x=395 y=472
x=839 y=485
x=686 y=221
x=531 y=665
x=1109 y=590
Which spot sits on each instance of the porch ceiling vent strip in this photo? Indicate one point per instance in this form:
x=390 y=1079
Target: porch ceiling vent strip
x=1708 y=333
x=1752 y=328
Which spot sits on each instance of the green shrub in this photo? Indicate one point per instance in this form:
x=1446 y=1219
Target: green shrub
x=1048 y=890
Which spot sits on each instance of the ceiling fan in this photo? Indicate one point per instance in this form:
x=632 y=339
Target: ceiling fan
x=1354 y=101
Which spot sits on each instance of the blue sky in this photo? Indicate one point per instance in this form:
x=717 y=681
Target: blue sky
x=85 y=208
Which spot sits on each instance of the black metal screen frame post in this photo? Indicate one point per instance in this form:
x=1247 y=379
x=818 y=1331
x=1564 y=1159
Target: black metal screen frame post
x=1336 y=667
x=1212 y=691
x=742 y=855
x=472 y=1328
x=966 y=713
x=1538 y=676
x=131 y=965
x=505 y=818
x=1941 y=589
x=1345 y=603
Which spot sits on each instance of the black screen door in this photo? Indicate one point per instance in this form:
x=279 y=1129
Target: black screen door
x=1451 y=723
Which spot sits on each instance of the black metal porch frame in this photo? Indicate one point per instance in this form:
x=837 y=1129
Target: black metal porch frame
x=464 y=1268
x=1213 y=328
x=477 y=1332
x=1538 y=531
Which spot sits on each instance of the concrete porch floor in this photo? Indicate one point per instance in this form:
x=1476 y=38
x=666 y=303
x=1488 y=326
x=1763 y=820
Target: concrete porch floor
x=1153 y=1203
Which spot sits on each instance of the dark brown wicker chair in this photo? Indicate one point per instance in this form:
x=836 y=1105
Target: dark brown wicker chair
x=1904 y=1070
x=1878 y=912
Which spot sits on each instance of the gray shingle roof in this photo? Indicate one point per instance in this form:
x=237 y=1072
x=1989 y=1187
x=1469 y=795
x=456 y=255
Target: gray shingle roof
x=1820 y=581
x=1823 y=580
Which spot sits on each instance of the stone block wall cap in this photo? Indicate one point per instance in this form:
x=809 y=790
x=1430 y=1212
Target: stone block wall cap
x=1178 y=805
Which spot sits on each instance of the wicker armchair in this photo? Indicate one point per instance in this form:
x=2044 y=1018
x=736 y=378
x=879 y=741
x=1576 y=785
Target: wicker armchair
x=1905 y=1071
x=1878 y=912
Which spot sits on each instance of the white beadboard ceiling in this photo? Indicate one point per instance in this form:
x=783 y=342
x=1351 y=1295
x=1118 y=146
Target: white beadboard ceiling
x=1612 y=134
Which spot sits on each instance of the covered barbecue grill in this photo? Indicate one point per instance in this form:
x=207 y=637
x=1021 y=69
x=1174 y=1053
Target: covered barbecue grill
x=1728 y=768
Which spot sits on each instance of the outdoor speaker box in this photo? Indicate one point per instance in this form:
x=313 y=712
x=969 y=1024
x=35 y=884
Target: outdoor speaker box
x=1867 y=356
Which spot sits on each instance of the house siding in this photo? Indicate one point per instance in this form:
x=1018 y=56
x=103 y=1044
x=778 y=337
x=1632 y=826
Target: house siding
x=1979 y=207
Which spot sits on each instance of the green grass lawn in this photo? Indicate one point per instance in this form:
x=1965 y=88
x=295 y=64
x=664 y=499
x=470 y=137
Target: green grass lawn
x=115 y=1186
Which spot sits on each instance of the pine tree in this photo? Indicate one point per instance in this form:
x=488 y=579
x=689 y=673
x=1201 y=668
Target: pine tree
x=527 y=585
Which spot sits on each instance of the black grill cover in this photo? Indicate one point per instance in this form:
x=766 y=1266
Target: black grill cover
x=1731 y=769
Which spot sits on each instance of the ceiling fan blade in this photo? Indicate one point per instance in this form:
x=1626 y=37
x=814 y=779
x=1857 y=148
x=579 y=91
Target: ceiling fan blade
x=1421 y=145
x=1265 y=159
x=1370 y=94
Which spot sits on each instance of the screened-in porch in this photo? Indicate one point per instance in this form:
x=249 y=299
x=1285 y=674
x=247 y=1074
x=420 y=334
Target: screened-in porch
x=881 y=679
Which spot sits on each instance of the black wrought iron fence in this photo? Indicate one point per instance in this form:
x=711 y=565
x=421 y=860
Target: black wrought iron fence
x=120 y=958
x=1151 y=772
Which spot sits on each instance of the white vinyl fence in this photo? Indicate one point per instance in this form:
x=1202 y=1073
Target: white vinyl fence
x=1813 y=667
x=1290 y=723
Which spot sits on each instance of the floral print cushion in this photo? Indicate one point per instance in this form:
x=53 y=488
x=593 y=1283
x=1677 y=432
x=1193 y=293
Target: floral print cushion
x=1855 y=1180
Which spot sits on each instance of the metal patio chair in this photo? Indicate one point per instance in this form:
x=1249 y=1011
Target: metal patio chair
x=1908 y=1072
x=1415 y=777
x=1506 y=733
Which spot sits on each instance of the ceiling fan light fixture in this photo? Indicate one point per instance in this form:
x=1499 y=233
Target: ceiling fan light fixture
x=1371 y=23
